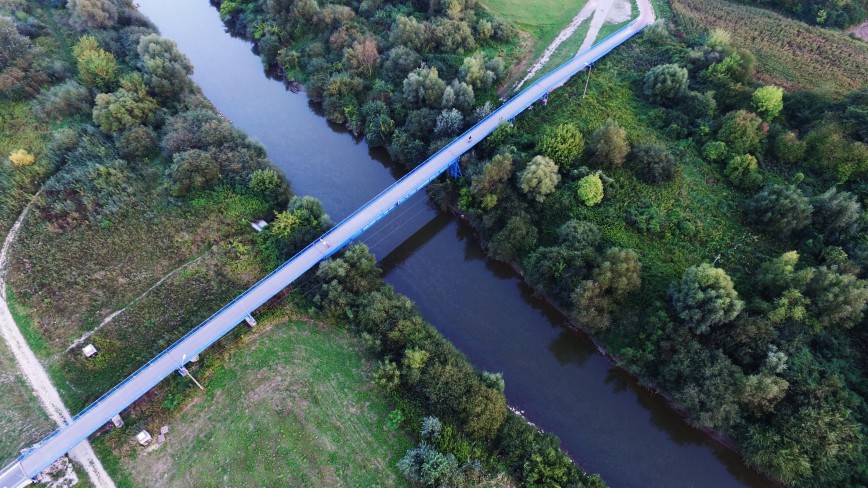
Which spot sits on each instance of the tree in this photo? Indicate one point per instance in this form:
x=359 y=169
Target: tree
x=97 y=68
x=166 y=69
x=449 y=123
x=655 y=163
x=407 y=31
x=714 y=151
x=779 y=274
x=363 y=58
x=423 y=86
x=590 y=189
x=494 y=174
x=137 y=143
x=303 y=221
x=705 y=298
x=609 y=144
x=517 y=237
x=92 y=14
x=579 y=235
x=591 y=306
x=665 y=83
x=762 y=391
x=193 y=171
x=20 y=157
x=271 y=186
x=742 y=131
x=128 y=107
x=540 y=178
x=768 y=101
x=742 y=170
x=837 y=214
x=563 y=145
x=837 y=299
x=379 y=126
x=400 y=61
x=779 y=209
x=621 y=272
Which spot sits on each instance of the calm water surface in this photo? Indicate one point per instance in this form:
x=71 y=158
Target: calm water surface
x=606 y=421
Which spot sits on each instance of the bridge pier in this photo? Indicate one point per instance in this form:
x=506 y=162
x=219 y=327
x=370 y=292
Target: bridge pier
x=545 y=98
x=455 y=169
x=250 y=321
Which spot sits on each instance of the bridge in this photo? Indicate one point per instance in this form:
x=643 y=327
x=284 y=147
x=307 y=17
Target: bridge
x=26 y=467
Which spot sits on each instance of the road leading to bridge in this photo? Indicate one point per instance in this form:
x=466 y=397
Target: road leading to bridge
x=37 y=458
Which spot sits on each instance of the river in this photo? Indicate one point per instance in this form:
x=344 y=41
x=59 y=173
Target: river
x=606 y=421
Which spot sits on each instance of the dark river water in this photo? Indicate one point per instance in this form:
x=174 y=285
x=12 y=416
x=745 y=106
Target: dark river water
x=606 y=422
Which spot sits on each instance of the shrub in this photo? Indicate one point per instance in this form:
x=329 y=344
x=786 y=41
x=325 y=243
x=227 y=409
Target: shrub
x=742 y=170
x=271 y=186
x=705 y=298
x=20 y=157
x=609 y=144
x=655 y=163
x=61 y=101
x=590 y=189
x=715 y=151
x=166 y=69
x=137 y=143
x=92 y=14
x=128 y=107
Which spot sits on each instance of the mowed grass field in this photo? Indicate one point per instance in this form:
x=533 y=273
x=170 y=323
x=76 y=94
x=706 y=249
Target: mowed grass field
x=293 y=406
x=22 y=420
x=543 y=19
x=789 y=53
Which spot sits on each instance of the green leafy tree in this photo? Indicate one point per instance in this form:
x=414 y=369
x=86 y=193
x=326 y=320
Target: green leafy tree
x=517 y=237
x=128 y=107
x=494 y=175
x=665 y=83
x=590 y=189
x=705 y=298
x=837 y=298
x=620 y=273
x=97 y=68
x=591 y=306
x=779 y=274
x=779 y=209
x=271 y=186
x=788 y=149
x=193 y=171
x=423 y=86
x=363 y=57
x=166 y=69
x=92 y=14
x=540 y=178
x=837 y=215
x=399 y=62
x=609 y=145
x=302 y=223
x=768 y=101
x=742 y=131
x=563 y=145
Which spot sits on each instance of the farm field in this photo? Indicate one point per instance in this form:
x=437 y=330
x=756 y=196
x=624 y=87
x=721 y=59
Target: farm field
x=293 y=406
x=789 y=53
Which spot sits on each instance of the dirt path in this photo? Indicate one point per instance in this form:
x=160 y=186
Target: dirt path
x=35 y=374
x=601 y=15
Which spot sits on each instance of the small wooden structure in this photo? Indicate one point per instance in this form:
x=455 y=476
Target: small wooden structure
x=144 y=438
x=89 y=351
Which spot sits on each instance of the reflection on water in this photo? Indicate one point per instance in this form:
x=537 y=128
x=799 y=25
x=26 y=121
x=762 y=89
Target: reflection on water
x=604 y=418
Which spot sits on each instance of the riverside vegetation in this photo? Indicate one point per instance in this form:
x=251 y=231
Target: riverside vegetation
x=144 y=202
x=704 y=224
